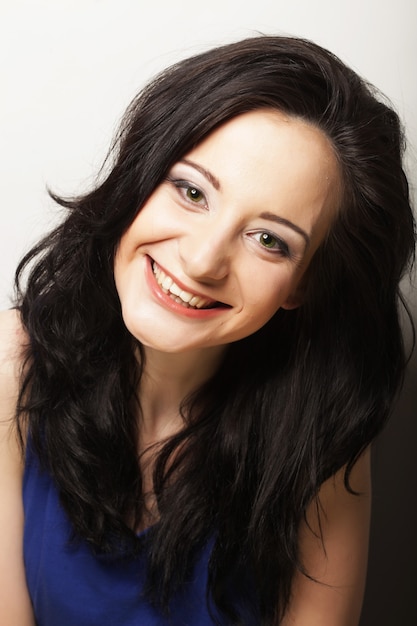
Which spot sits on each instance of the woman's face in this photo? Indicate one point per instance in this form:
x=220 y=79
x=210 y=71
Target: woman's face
x=225 y=239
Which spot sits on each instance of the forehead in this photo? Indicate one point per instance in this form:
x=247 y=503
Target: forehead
x=268 y=159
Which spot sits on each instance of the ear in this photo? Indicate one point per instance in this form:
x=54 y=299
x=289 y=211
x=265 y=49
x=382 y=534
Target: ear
x=295 y=299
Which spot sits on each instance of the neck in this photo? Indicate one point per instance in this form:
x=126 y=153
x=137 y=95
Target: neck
x=166 y=381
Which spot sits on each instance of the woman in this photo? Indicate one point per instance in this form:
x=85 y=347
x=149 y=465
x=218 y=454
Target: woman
x=203 y=352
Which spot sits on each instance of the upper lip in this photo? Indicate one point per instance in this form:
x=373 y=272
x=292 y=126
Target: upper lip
x=180 y=284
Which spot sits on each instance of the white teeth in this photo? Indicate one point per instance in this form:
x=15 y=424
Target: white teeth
x=184 y=295
x=167 y=282
x=175 y=289
x=185 y=298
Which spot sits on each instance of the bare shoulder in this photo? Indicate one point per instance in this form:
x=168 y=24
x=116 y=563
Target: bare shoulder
x=15 y=604
x=13 y=339
x=334 y=549
x=12 y=346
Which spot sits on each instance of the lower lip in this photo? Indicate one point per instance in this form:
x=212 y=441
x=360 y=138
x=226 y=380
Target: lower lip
x=175 y=307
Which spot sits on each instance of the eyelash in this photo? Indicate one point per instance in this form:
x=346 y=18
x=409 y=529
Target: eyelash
x=182 y=186
x=280 y=247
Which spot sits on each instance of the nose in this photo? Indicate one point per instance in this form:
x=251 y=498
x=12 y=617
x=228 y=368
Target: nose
x=205 y=254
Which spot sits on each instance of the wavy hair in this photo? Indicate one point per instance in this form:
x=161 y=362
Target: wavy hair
x=290 y=405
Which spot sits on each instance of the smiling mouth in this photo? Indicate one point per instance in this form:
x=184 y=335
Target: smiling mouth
x=185 y=298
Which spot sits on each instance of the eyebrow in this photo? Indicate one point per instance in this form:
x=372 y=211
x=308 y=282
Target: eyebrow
x=281 y=220
x=266 y=215
x=206 y=173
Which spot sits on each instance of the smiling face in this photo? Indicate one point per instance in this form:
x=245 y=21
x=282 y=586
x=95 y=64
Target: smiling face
x=223 y=242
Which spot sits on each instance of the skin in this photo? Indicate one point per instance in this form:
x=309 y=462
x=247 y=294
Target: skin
x=339 y=563
x=236 y=223
x=15 y=607
x=262 y=173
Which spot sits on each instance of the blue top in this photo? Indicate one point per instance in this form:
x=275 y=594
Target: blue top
x=70 y=586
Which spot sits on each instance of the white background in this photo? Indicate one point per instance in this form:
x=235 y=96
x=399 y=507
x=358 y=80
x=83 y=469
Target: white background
x=70 y=67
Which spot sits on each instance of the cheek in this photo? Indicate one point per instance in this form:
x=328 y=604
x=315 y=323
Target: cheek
x=126 y=248
x=119 y=264
x=268 y=293
x=123 y=264
x=260 y=310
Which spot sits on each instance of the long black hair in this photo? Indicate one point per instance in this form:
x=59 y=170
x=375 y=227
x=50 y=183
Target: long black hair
x=290 y=405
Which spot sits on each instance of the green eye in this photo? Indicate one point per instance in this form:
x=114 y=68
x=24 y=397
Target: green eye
x=274 y=244
x=194 y=194
x=267 y=240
